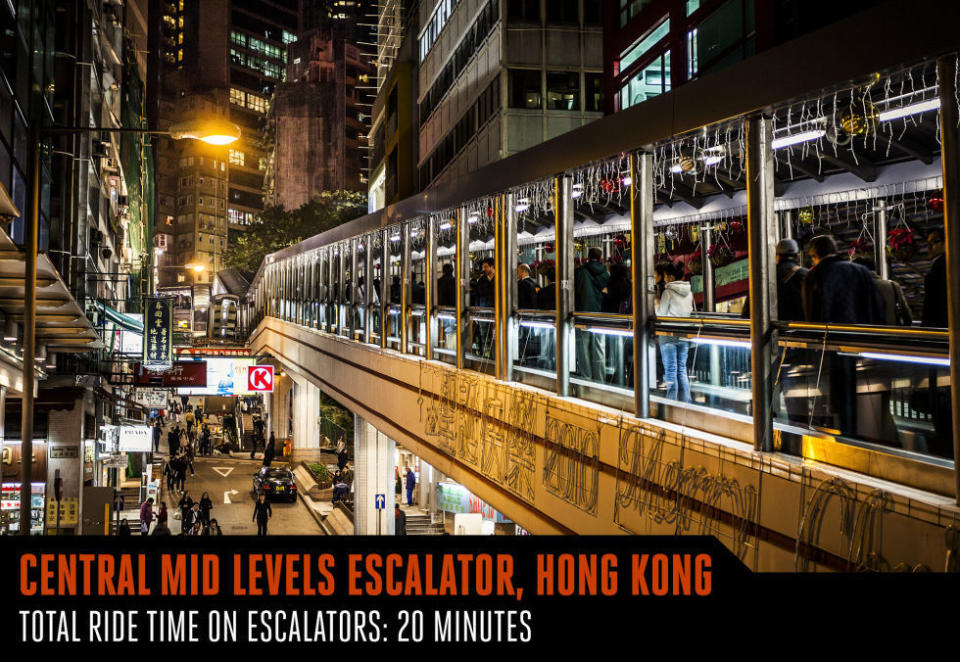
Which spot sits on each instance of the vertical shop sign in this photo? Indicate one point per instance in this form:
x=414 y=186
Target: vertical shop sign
x=158 y=332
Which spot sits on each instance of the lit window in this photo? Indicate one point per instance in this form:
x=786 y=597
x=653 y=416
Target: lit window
x=236 y=157
x=237 y=96
x=644 y=45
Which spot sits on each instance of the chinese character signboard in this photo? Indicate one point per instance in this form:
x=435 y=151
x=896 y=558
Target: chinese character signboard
x=158 y=332
x=181 y=374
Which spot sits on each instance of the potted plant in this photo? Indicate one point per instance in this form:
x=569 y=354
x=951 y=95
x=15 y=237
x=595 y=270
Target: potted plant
x=902 y=244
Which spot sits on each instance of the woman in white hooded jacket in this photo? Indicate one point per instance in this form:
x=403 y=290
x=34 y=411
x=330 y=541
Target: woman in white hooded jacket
x=676 y=300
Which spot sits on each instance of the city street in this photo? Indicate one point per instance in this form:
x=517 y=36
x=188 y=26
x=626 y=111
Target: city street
x=229 y=483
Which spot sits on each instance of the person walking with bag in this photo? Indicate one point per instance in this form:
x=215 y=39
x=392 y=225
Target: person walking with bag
x=146 y=516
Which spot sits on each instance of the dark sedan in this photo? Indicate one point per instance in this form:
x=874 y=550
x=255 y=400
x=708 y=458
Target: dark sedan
x=275 y=482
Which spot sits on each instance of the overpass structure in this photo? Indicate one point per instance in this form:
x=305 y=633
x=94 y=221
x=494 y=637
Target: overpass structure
x=800 y=444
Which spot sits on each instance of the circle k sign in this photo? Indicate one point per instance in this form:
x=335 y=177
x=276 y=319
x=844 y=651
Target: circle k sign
x=260 y=378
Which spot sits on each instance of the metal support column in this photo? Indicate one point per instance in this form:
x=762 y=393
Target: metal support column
x=30 y=246
x=463 y=281
x=642 y=199
x=384 y=288
x=563 y=204
x=506 y=257
x=950 y=155
x=430 y=286
x=405 y=281
x=880 y=239
x=786 y=219
x=367 y=286
x=709 y=285
x=761 y=235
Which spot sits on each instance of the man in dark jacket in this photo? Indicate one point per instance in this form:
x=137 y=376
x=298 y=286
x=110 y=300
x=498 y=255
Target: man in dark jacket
x=526 y=288
x=269 y=451
x=589 y=282
x=484 y=292
x=935 y=283
x=157 y=434
x=447 y=286
x=400 y=521
x=836 y=290
x=262 y=512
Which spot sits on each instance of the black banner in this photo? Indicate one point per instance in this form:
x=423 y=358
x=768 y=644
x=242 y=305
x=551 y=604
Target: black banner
x=281 y=594
x=158 y=332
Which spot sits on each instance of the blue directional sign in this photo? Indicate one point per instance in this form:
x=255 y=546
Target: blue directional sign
x=381 y=501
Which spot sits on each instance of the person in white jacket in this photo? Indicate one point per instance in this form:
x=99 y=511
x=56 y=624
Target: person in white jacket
x=676 y=300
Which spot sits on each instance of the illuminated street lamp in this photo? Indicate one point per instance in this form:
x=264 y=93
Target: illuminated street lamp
x=216 y=131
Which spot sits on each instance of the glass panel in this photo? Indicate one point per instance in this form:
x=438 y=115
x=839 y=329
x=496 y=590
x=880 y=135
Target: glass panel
x=376 y=243
x=887 y=398
x=445 y=295
x=643 y=45
x=395 y=288
x=479 y=342
x=535 y=297
x=416 y=296
x=648 y=83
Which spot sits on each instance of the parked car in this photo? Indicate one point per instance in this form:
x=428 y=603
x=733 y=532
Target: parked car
x=275 y=482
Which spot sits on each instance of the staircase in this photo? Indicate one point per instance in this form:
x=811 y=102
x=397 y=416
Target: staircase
x=246 y=430
x=420 y=525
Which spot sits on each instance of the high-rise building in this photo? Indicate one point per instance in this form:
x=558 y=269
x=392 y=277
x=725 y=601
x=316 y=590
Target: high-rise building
x=652 y=46
x=220 y=58
x=493 y=78
x=319 y=119
x=393 y=136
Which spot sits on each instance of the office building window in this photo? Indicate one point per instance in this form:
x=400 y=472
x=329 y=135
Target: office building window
x=563 y=90
x=593 y=93
x=237 y=96
x=236 y=157
x=526 y=10
x=591 y=12
x=644 y=45
x=629 y=9
x=526 y=90
x=564 y=11
x=647 y=83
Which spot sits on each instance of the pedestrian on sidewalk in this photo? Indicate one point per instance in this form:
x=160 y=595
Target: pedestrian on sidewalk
x=180 y=466
x=189 y=460
x=186 y=508
x=170 y=471
x=157 y=434
x=400 y=520
x=206 y=505
x=162 y=514
x=262 y=512
x=269 y=451
x=411 y=482
x=173 y=440
x=146 y=516
x=213 y=529
x=341 y=454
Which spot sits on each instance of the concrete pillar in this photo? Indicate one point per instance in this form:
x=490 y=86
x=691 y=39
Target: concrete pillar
x=373 y=474
x=425 y=488
x=306 y=408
